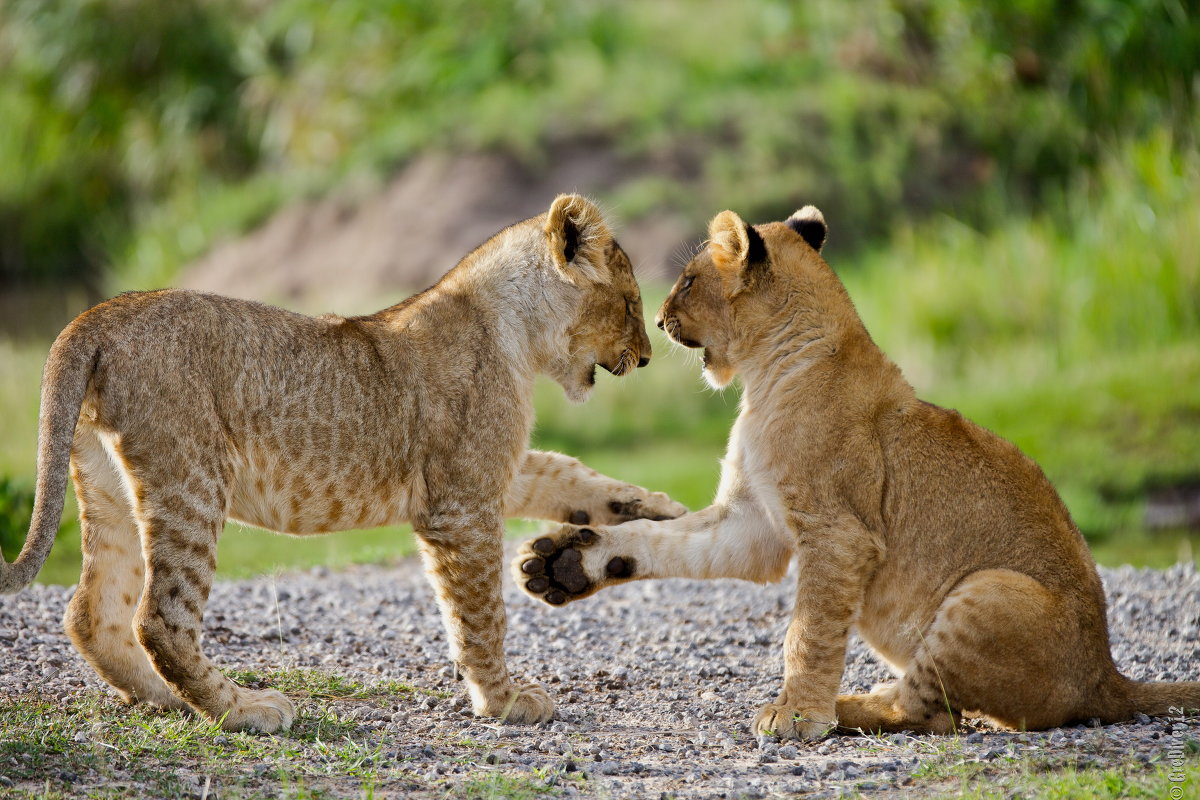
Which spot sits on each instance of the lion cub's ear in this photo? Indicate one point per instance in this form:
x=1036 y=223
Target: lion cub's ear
x=809 y=222
x=578 y=238
x=735 y=248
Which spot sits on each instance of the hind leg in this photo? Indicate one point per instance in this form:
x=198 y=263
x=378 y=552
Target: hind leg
x=894 y=707
x=99 y=618
x=1000 y=645
x=181 y=510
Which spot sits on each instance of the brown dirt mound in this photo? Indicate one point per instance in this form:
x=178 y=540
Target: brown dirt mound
x=351 y=252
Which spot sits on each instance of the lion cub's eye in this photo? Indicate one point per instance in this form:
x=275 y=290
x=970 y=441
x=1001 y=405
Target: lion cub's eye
x=687 y=282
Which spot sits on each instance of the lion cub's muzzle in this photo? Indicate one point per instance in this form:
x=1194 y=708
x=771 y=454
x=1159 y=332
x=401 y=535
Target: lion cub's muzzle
x=627 y=362
x=672 y=327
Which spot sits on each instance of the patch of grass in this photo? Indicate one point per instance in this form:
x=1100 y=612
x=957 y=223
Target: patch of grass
x=1050 y=779
x=99 y=747
x=499 y=786
x=322 y=685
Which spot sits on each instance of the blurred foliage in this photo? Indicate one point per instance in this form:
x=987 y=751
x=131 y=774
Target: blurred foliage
x=108 y=107
x=16 y=507
x=129 y=115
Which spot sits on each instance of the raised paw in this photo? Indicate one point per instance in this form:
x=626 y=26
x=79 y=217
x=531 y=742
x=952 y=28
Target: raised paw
x=264 y=710
x=569 y=564
x=788 y=722
x=628 y=502
x=527 y=704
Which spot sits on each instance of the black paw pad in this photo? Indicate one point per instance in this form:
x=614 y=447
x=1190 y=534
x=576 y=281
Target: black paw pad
x=587 y=536
x=567 y=571
x=619 y=568
x=538 y=584
x=579 y=518
x=544 y=546
x=533 y=566
x=630 y=510
x=555 y=598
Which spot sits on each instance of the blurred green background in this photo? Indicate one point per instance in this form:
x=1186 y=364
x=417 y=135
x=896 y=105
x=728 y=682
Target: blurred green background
x=1013 y=192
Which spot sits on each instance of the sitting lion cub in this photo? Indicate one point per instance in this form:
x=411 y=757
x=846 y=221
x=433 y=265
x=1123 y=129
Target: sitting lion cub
x=939 y=541
x=178 y=410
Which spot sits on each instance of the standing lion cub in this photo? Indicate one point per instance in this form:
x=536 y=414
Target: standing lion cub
x=178 y=410
x=941 y=542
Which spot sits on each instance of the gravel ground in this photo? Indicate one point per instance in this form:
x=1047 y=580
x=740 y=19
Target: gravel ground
x=656 y=682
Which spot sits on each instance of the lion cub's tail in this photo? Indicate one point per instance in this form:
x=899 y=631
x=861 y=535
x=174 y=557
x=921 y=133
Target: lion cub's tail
x=1164 y=699
x=64 y=381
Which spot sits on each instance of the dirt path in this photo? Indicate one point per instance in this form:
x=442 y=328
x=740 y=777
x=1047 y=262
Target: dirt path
x=656 y=685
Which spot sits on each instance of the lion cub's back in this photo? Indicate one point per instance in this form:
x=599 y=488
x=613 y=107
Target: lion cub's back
x=973 y=499
x=177 y=351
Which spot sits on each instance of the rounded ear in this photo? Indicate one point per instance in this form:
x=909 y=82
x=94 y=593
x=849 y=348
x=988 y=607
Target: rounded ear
x=734 y=247
x=578 y=238
x=809 y=222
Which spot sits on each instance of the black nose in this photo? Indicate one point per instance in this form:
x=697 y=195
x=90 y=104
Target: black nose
x=660 y=322
x=643 y=361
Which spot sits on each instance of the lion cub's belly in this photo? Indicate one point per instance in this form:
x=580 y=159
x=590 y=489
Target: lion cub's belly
x=268 y=493
x=894 y=615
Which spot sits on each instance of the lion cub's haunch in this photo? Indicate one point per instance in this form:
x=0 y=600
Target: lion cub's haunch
x=178 y=410
x=945 y=546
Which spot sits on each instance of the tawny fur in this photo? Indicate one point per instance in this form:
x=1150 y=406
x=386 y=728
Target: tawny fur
x=179 y=410
x=942 y=543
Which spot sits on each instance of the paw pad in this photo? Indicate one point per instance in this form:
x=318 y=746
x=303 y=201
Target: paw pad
x=554 y=566
x=619 y=568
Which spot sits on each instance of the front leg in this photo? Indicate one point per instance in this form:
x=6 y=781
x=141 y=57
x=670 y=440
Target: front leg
x=837 y=558
x=557 y=487
x=463 y=555
x=733 y=538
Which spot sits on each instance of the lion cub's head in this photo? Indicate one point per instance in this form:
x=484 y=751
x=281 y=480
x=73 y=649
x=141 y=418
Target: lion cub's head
x=732 y=298
x=607 y=328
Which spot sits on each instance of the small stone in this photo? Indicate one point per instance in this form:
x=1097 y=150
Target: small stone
x=789 y=752
x=975 y=738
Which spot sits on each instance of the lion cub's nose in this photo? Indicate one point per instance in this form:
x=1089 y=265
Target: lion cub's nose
x=643 y=361
x=659 y=321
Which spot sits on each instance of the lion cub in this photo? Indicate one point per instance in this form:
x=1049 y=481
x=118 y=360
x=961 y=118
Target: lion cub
x=942 y=543
x=179 y=410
